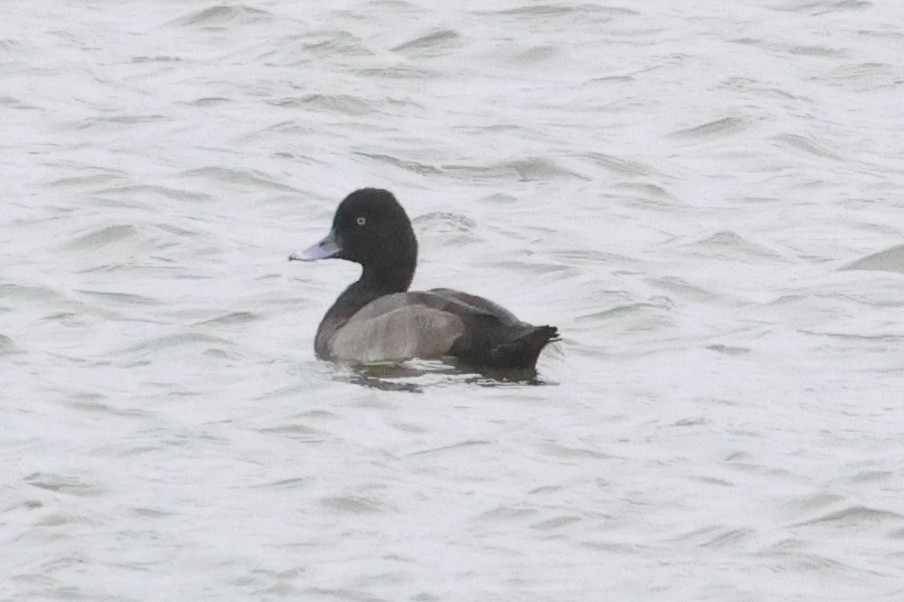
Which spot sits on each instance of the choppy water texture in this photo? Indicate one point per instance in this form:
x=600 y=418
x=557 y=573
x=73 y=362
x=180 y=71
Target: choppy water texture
x=676 y=187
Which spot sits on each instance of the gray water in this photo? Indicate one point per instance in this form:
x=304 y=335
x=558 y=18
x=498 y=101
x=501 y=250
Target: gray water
x=676 y=186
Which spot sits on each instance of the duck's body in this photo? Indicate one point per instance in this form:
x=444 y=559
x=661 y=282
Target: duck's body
x=376 y=319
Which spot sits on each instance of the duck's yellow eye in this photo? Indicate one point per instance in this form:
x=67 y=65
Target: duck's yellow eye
x=361 y=221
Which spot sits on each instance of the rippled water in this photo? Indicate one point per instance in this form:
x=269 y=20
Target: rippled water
x=675 y=187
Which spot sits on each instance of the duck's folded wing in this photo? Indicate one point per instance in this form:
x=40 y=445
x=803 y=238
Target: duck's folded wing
x=478 y=303
x=394 y=334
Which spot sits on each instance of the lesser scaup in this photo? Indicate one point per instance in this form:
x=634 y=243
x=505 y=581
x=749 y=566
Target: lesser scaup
x=376 y=320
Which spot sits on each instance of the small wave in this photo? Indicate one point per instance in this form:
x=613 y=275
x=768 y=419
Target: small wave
x=445 y=448
x=620 y=311
x=222 y=15
x=728 y=244
x=117 y=120
x=157 y=59
x=872 y=476
x=352 y=504
x=294 y=483
x=561 y=10
x=236 y=317
x=91 y=402
x=63 y=484
x=729 y=349
x=8 y=347
x=817 y=51
x=450 y=227
x=720 y=127
x=863 y=77
x=890 y=260
x=539 y=268
x=292 y=430
x=557 y=450
x=406 y=164
x=400 y=71
x=680 y=286
x=534 y=55
x=501 y=197
x=854 y=516
x=89 y=181
x=645 y=195
x=843 y=336
x=176 y=194
x=330 y=44
x=624 y=167
x=14 y=103
x=341 y=103
x=122 y=299
x=628 y=319
x=820 y=7
x=501 y=513
x=240 y=178
x=20 y=292
x=807 y=144
x=715 y=536
x=555 y=523
x=431 y=44
x=206 y=101
x=529 y=169
x=103 y=237
x=177 y=230
x=175 y=340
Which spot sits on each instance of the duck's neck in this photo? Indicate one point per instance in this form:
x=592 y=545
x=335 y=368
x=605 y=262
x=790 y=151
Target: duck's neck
x=385 y=280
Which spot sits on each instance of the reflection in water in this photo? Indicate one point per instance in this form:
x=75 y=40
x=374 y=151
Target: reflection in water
x=399 y=377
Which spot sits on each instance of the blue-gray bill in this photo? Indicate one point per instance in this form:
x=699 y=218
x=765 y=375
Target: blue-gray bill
x=326 y=248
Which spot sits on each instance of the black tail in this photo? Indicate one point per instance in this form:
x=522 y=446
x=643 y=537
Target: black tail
x=523 y=350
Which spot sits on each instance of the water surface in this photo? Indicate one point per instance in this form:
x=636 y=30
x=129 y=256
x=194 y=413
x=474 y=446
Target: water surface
x=675 y=187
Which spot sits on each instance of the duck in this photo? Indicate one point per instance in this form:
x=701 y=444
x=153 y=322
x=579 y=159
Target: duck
x=378 y=320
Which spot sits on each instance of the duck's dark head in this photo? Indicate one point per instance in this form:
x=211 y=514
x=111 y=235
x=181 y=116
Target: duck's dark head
x=371 y=228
